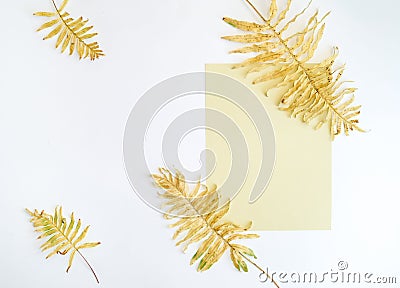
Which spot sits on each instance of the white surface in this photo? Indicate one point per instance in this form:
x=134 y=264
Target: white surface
x=62 y=122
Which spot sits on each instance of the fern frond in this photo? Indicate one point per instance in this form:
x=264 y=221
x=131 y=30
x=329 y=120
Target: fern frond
x=62 y=236
x=313 y=93
x=200 y=222
x=72 y=33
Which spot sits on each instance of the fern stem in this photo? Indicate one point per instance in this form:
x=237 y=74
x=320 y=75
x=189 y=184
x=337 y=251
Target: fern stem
x=87 y=262
x=256 y=10
x=261 y=269
x=278 y=36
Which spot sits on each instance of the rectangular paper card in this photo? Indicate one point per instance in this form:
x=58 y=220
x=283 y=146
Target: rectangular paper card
x=298 y=196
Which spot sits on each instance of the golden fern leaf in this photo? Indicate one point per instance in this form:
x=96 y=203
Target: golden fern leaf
x=313 y=93
x=62 y=237
x=199 y=220
x=71 y=32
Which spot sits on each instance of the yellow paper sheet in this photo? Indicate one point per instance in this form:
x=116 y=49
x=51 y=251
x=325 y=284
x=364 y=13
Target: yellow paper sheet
x=298 y=196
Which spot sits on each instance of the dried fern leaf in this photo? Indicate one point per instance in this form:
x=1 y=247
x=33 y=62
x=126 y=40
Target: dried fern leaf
x=71 y=32
x=200 y=222
x=62 y=236
x=312 y=93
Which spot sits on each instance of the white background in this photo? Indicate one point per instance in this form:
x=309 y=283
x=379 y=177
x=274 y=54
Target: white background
x=62 y=123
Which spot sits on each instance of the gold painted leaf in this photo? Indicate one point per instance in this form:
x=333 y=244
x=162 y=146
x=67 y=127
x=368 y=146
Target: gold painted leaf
x=72 y=33
x=61 y=37
x=312 y=93
x=249 y=38
x=45 y=14
x=63 y=4
x=54 y=32
x=246 y=26
x=273 y=9
x=199 y=220
x=48 y=24
x=57 y=230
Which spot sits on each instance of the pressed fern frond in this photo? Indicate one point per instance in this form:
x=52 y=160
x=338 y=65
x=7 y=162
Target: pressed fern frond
x=199 y=220
x=63 y=237
x=313 y=93
x=72 y=33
